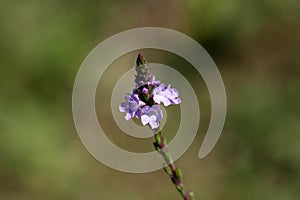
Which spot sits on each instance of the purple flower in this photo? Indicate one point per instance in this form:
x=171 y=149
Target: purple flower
x=152 y=116
x=166 y=95
x=145 y=90
x=131 y=106
x=145 y=98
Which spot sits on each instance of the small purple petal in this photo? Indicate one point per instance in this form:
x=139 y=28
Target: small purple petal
x=122 y=107
x=159 y=98
x=127 y=116
x=138 y=113
x=145 y=90
x=154 y=125
x=145 y=119
x=127 y=97
x=145 y=110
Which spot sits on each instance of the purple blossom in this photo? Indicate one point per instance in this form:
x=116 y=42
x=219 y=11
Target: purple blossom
x=145 y=98
x=152 y=116
x=131 y=106
x=166 y=95
x=145 y=90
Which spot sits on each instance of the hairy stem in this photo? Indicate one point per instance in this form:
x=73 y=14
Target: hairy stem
x=173 y=172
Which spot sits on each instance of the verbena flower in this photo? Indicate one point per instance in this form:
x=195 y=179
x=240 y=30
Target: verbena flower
x=131 y=106
x=146 y=97
x=152 y=116
x=166 y=95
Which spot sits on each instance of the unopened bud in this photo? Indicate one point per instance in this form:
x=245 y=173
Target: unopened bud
x=143 y=71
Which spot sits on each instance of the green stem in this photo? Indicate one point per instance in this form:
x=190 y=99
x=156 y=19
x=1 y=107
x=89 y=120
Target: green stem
x=173 y=172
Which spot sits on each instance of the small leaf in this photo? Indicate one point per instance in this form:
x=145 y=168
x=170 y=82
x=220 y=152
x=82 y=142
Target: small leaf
x=164 y=140
x=157 y=138
x=168 y=158
x=168 y=170
x=180 y=188
x=178 y=174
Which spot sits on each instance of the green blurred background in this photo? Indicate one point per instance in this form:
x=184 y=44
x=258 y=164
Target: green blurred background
x=256 y=46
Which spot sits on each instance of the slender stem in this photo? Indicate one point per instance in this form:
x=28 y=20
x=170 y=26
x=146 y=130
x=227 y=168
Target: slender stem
x=173 y=172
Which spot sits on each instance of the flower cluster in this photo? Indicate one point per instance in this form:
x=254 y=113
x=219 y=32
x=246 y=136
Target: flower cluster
x=144 y=101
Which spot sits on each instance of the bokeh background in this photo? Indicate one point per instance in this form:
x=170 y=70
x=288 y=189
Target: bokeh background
x=256 y=46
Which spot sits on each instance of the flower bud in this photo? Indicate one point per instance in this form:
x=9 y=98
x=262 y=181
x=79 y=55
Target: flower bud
x=168 y=170
x=143 y=71
x=178 y=174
